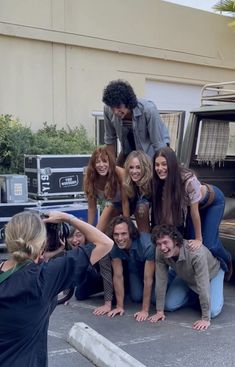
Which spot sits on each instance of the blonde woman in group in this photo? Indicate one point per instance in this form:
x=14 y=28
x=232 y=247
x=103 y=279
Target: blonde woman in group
x=104 y=181
x=138 y=182
x=28 y=287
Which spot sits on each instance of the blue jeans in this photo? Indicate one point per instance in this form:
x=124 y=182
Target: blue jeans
x=180 y=295
x=136 y=283
x=210 y=221
x=93 y=283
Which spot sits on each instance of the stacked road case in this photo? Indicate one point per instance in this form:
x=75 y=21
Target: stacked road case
x=53 y=182
x=13 y=188
x=55 y=175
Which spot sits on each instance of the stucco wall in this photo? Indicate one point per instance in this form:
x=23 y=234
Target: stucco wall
x=57 y=55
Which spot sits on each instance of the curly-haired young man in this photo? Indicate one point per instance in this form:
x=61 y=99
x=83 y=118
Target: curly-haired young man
x=134 y=121
x=197 y=276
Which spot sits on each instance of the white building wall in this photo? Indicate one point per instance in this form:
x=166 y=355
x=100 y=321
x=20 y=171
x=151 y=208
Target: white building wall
x=57 y=55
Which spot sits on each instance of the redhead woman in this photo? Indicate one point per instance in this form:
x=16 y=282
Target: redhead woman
x=175 y=190
x=138 y=176
x=104 y=180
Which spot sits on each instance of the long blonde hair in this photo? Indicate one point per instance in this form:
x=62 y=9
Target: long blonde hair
x=25 y=236
x=144 y=184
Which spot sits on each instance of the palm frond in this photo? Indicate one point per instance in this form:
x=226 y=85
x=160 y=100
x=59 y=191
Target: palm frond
x=227 y=6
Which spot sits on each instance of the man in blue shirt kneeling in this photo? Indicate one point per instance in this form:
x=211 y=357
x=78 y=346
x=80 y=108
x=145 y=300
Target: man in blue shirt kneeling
x=139 y=253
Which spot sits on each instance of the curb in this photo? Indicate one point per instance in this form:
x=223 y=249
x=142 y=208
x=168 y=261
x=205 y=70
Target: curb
x=98 y=349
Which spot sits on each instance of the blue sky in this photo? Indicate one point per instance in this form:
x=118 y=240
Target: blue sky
x=199 y=4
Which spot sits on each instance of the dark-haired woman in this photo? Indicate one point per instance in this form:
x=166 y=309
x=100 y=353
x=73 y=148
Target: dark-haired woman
x=175 y=190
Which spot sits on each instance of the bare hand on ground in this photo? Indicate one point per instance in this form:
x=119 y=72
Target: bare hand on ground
x=141 y=315
x=116 y=311
x=102 y=310
x=159 y=316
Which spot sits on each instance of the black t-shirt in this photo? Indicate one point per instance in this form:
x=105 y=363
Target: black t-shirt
x=26 y=302
x=128 y=139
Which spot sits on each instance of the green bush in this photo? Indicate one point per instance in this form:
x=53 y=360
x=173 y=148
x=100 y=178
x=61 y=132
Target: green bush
x=17 y=140
x=49 y=140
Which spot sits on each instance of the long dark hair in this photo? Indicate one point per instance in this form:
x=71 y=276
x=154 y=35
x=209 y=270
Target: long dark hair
x=169 y=194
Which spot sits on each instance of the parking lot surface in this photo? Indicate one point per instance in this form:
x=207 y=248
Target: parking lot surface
x=172 y=342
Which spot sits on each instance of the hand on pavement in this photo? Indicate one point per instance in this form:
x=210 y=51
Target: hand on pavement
x=201 y=324
x=157 y=317
x=116 y=311
x=102 y=310
x=141 y=315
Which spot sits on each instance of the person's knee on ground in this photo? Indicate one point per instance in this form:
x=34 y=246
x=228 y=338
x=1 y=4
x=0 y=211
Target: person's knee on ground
x=80 y=294
x=216 y=294
x=136 y=297
x=215 y=311
x=173 y=305
x=177 y=295
x=136 y=288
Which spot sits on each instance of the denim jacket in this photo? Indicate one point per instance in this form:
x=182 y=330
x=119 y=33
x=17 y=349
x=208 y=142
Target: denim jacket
x=150 y=133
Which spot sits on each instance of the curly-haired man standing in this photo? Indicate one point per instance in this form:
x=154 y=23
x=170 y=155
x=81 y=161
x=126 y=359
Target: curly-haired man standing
x=134 y=121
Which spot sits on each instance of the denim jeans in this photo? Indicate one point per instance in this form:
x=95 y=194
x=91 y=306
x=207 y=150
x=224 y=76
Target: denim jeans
x=93 y=283
x=210 y=221
x=180 y=295
x=136 y=283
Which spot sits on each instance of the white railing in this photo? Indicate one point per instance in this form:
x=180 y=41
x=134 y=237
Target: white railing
x=216 y=93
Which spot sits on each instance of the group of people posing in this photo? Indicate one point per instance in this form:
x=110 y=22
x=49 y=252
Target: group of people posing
x=157 y=239
x=175 y=235
x=177 y=217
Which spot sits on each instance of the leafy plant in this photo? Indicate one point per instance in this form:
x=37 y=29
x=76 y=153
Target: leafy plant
x=17 y=140
x=226 y=6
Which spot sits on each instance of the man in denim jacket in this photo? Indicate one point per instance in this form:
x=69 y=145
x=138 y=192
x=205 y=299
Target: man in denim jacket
x=135 y=122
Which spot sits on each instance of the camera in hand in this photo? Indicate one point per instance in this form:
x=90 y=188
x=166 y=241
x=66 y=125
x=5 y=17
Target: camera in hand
x=56 y=232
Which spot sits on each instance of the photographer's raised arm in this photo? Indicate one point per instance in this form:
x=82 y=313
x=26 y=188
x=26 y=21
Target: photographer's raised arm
x=102 y=242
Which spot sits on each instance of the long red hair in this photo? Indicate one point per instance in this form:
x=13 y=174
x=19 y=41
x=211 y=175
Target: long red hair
x=92 y=176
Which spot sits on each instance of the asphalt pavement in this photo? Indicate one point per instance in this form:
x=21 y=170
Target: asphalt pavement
x=172 y=342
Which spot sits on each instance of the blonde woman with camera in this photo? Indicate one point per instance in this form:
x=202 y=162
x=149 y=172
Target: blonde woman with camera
x=28 y=288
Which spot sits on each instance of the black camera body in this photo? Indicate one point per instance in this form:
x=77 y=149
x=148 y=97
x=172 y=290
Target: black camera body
x=56 y=232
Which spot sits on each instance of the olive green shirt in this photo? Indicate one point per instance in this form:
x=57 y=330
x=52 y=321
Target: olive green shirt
x=196 y=268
